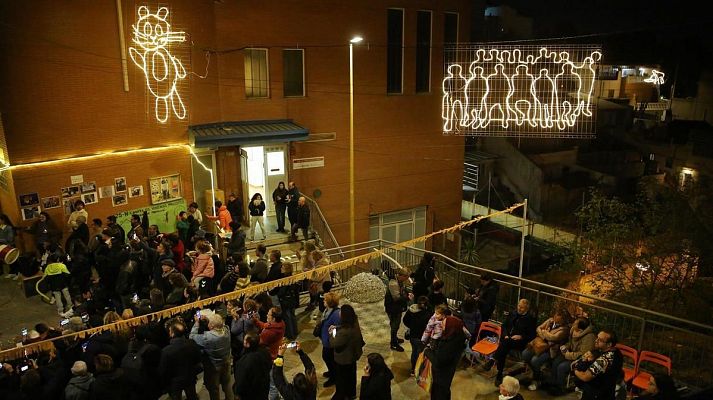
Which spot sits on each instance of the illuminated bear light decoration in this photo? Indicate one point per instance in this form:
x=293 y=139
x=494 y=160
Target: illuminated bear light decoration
x=152 y=35
x=512 y=91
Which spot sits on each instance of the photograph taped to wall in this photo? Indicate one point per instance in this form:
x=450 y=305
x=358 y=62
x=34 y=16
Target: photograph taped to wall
x=68 y=204
x=90 y=198
x=51 y=202
x=88 y=187
x=29 y=199
x=119 y=200
x=106 y=192
x=165 y=188
x=119 y=185
x=520 y=90
x=70 y=191
x=29 y=213
x=136 y=191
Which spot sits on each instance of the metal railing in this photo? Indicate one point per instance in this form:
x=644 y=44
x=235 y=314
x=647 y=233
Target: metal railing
x=689 y=344
x=323 y=234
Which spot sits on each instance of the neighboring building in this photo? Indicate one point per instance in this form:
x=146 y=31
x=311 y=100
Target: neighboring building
x=506 y=23
x=266 y=80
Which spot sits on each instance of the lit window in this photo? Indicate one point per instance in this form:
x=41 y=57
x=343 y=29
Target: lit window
x=256 y=73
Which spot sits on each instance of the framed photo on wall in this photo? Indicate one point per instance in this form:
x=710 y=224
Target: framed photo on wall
x=88 y=187
x=106 y=192
x=165 y=188
x=118 y=200
x=29 y=213
x=120 y=185
x=90 y=198
x=136 y=191
x=29 y=200
x=51 y=202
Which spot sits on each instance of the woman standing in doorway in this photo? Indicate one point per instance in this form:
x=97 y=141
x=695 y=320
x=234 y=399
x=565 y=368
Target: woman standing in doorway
x=257 y=211
x=279 y=196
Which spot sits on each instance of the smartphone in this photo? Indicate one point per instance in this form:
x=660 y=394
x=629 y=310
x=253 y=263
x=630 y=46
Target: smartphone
x=334 y=333
x=198 y=314
x=64 y=322
x=292 y=345
x=85 y=317
x=84 y=346
x=24 y=368
x=135 y=298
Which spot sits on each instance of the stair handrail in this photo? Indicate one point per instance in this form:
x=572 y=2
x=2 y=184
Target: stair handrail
x=322 y=224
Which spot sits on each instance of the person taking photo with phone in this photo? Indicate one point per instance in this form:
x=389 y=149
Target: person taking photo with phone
x=303 y=385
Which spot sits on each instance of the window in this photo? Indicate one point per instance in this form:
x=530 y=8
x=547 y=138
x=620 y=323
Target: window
x=450 y=35
x=394 y=50
x=256 y=76
x=423 y=51
x=293 y=72
x=399 y=226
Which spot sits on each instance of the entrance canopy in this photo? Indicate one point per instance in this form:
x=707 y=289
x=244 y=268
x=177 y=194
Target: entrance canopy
x=240 y=133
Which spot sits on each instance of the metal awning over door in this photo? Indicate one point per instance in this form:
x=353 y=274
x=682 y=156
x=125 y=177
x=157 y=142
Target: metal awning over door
x=241 y=133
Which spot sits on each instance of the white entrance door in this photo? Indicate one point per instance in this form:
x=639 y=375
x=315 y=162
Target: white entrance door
x=275 y=172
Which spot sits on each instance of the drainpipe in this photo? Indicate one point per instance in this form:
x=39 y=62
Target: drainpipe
x=122 y=44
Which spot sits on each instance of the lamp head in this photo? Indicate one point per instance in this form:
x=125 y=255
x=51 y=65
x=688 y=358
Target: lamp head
x=356 y=39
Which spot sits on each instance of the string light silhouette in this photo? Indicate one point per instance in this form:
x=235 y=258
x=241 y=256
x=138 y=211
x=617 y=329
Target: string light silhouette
x=163 y=71
x=510 y=91
x=656 y=77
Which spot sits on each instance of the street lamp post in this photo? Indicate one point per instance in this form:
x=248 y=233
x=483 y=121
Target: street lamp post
x=352 y=42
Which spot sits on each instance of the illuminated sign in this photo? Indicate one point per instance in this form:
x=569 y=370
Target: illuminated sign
x=163 y=71
x=656 y=77
x=526 y=91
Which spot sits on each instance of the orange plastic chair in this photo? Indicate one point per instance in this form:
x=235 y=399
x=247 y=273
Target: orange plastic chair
x=641 y=380
x=484 y=346
x=633 y=354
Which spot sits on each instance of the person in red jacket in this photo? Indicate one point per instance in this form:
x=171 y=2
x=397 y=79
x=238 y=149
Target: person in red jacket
x=224 y=219
x=273 y=331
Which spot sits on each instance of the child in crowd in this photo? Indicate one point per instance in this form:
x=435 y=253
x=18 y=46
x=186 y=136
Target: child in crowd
x=434 y=328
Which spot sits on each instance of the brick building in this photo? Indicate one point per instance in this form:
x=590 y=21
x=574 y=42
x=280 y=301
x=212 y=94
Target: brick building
x=264 y=80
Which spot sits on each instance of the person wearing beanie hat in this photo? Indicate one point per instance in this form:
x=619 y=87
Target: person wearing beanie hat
x=79 y=386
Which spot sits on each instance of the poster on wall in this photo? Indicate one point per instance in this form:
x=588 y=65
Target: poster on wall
x=106 y=192
x=119 y=185
x=29 y=213
x=165 y=188
x=90 y=198
x=70 y=191
x=88 y=187
x=68 y=204
x=136 y=191
x=51 y=202
x=163 y=215
x=119 y=200
x=29 y=199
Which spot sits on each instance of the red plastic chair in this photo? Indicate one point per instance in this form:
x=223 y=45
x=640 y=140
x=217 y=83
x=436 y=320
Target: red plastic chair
x=641 y=380
x=484 y=346
x=633 y=354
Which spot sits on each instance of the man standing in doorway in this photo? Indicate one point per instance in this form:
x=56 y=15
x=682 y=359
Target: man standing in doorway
x=600 y=379
x=302 y=215
x=235 y=207
x=293 y=196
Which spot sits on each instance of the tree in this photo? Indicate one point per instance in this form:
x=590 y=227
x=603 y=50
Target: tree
x=643 y=252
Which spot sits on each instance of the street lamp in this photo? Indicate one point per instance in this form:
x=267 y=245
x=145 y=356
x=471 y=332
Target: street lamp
x=352 y=42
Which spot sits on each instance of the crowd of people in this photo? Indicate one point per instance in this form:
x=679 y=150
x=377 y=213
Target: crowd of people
x=239 y=346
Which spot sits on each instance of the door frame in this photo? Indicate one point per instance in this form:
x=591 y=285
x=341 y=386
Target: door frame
x=198 y=153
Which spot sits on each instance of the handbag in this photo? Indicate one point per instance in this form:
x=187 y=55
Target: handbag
x=424 y=375
x=317 y=331
x=538 y=345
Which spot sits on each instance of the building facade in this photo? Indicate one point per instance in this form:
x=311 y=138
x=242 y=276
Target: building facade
x=72 y=92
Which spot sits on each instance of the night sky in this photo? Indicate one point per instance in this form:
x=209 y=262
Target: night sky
x=669 y=33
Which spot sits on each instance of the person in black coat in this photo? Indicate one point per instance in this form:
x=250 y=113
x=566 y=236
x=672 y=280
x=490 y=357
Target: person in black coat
x=302 y=215
x=518 y=330
x=304 y=385
x=424 y=275
x=252 y=372
x=293 y=195
x=376 y=382
x=179 y=363
x=140 y=366
x=486 y=296
x=416 y=319
x=109 y=383
x=445 y=357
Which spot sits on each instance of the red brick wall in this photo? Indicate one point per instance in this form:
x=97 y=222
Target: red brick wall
x=63 y=96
